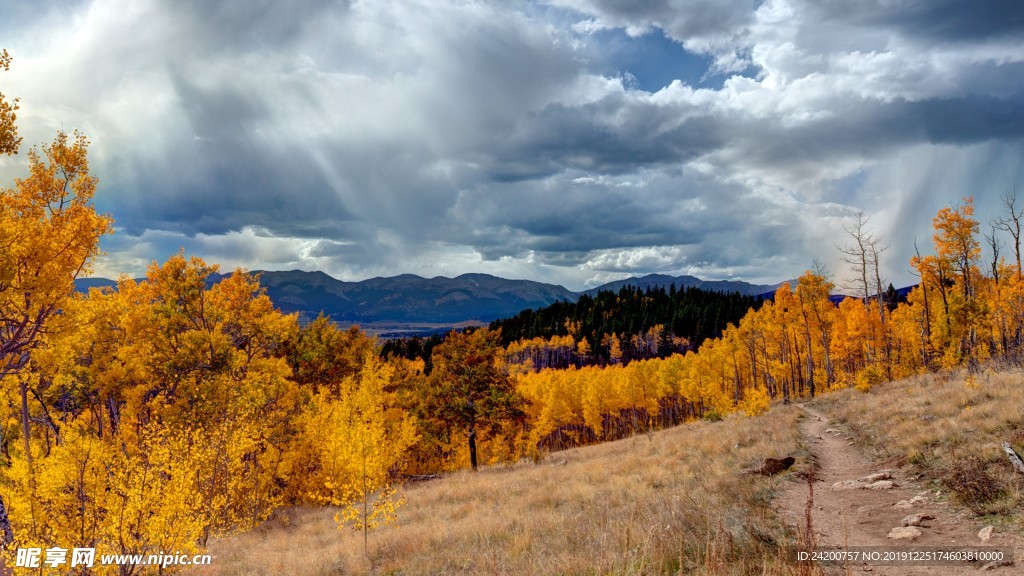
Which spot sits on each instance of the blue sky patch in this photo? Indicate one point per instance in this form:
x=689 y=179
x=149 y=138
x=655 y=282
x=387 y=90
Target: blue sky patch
x=652 y=60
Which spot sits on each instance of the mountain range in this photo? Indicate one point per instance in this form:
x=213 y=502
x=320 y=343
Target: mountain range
x=440 y=301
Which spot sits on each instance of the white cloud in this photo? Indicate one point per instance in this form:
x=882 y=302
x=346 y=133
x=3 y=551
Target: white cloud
x=649 y=258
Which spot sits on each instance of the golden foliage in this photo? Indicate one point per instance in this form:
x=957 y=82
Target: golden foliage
x=50 y=236
x=172 y=416
x=9 y=140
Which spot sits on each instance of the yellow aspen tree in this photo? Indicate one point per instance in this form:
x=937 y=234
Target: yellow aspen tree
x=756 y=402
x=913 y=336
x=182 y=389
x=583 y=351
x=750 y=334
x=599 y=397
x=362 y=449
x=785 y=318
x=817 y=312
x=151 y=497
x=50 y=236
x=956 y=244
x=849 y=341
x=67 y=507
x=1008 y=307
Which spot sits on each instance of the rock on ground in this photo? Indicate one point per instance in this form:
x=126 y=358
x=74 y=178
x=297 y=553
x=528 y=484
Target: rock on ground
x=904 y=533
x=916 y=519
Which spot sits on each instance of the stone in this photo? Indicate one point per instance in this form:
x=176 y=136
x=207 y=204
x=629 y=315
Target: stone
x=876 y=477
x=904 y=533
x=985 y=533
x=881 y=485
x=916 y=519
x=848 y=485
x=903 y=505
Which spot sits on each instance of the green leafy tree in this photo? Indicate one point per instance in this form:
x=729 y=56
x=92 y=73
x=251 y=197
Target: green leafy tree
x=324 y=355
x=469 y=387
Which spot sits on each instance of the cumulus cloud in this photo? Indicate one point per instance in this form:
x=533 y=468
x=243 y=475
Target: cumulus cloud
x=442 y=137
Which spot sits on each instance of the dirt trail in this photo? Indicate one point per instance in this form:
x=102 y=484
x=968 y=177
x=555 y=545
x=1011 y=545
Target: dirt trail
x=864 y=513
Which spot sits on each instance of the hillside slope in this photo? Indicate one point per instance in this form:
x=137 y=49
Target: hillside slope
x=635 y=506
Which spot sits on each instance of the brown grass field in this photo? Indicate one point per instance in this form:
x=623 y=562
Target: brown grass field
x=672 y=502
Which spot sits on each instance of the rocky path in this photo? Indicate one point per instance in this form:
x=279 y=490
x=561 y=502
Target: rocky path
x=856 y=503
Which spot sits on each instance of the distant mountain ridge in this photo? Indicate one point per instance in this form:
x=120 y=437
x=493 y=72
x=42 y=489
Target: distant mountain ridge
x=413 y=299
x=665 y=281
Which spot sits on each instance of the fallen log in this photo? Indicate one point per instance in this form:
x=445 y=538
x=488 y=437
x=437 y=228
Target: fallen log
x=1014 y=458
x=771 y=466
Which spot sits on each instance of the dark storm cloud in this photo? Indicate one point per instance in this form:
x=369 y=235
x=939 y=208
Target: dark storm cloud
x=934 y=20
x=637 y=224
x=867 y=129
x=612 y=136
x=968 y=120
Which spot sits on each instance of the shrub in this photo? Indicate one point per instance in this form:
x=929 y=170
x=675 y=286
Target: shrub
x=972 y=485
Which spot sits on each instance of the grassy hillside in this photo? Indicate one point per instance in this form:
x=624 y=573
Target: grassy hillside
x=948 y=429
x=673 y=501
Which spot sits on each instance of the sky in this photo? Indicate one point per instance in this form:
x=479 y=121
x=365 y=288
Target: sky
x=565 y=141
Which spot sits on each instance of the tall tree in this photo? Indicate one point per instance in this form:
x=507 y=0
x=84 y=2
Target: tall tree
x=813 y=290
x=858 y=253
x=469 y=388
x=863 y=255
x=50 y=235
x=1011 y=223
x=955 y=242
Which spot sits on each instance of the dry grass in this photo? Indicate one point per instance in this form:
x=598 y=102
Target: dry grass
x=674 y=502
x=947 y=428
